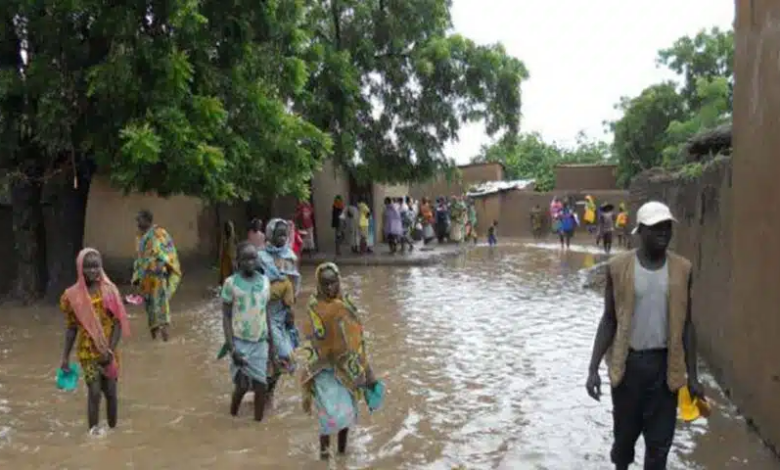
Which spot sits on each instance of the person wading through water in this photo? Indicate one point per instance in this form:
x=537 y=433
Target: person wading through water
x=245 y=296
x=647 y=329
x=156 y=272
x=96 y=320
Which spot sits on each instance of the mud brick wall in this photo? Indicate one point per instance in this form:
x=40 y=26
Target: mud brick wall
x=585 y=177
x=755 y=292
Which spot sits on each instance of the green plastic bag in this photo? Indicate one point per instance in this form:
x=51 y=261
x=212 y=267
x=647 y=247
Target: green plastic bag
x=68 y=380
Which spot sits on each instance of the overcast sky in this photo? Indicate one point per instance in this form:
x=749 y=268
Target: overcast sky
x=582 y=56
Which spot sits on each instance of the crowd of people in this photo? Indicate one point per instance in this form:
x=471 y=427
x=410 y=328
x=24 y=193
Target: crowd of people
x=646 y=335
x=405 y=221
x=600 y=221
x=259 y=288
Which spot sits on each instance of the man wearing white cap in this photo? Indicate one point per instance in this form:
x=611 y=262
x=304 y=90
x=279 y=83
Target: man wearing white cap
x=647 y=336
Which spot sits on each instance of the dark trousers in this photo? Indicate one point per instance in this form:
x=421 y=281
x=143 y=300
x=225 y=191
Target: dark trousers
x=644 y=405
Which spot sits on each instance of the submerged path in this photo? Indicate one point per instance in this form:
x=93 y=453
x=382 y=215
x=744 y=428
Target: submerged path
x=484 y=356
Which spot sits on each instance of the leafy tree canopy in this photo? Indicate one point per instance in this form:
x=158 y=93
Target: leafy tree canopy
x=656 y=123
x=394 y=85
x=176 y=97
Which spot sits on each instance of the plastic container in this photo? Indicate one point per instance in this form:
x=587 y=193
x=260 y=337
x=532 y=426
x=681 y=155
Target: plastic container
x=68 y=380
x=375 y=396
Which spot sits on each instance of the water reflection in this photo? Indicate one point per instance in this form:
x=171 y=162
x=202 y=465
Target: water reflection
x=484 y=359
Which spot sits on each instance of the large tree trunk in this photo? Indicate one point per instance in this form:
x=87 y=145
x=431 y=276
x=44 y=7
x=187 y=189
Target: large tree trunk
x=65 y=217
x=29 y=237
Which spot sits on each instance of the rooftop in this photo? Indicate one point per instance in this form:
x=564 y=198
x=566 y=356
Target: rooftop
x=586 y=165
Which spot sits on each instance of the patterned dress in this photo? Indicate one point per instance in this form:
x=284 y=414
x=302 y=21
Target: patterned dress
x=334 y=360
x=158 y=273
x=86 y=352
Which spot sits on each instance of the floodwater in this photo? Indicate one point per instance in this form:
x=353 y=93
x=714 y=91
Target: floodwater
x=484 y=357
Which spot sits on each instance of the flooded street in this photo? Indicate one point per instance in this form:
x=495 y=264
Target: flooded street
x=484 y=356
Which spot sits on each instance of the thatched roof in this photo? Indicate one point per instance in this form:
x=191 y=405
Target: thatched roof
x=715 y=141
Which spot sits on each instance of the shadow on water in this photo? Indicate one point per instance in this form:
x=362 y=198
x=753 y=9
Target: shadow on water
x=484 y=359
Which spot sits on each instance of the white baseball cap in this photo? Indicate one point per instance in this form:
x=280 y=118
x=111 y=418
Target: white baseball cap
x=652 y=213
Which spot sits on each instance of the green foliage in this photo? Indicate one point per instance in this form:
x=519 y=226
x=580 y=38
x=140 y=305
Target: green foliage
x=393 y=85
x=713 y=98
x=528 y=156
x=691 y=171
x=709 y=55
x=655 y=125
x=640 y=135
x=182 y=96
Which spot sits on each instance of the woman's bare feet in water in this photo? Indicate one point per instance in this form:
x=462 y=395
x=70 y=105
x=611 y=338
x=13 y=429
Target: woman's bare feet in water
x=163 y=330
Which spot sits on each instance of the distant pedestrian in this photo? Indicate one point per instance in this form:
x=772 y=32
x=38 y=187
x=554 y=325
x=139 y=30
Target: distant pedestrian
x=493 y=234
x=606 y=226
x=567 y=224
x=621 y=226
x=536 y=222
x=256 y=235
x=647 y=329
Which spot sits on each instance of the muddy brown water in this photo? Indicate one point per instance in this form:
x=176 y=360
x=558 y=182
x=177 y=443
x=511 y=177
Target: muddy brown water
x=484 y=358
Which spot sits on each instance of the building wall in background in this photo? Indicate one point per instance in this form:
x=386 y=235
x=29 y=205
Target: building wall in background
x=585 y=177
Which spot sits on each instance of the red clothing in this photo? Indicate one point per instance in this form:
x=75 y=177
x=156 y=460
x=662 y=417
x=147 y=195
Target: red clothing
x=305 y=214
x=296 y=241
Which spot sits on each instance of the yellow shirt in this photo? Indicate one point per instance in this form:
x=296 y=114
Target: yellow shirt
x=364 y=213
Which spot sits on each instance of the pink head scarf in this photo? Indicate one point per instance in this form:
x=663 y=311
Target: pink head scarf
x=80 y=301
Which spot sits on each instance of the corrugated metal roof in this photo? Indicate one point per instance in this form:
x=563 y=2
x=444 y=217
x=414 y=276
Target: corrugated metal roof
x=492 y=187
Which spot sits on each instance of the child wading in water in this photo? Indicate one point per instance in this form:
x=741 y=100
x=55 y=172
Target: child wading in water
x=245 y=297
x=336 y=372
x=492 y=232
x=96 y=319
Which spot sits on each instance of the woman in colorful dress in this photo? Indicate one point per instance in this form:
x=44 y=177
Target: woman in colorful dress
x=335 y=368
x=621 y=225
x=589 y=218
x=428 y=221
x=156 y=273
x=279 y=264
x=365 y=227
x=304 y=218
x=96 y=320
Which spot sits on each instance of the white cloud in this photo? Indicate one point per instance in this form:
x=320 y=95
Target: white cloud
x=582 y=56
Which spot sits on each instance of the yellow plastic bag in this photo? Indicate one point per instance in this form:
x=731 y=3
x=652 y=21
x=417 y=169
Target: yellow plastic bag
x=691 y=408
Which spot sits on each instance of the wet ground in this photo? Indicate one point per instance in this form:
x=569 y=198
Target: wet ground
x=484 y=357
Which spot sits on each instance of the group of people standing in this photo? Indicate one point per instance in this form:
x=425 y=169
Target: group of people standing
x=404 y=222
x=354 y=224
x=600 y=221
x=261 y=337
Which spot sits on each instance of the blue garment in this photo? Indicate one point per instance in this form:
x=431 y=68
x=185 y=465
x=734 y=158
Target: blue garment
x=371 y=234
x=256 y=355
x=279 y=263
x=268 y=257
x=336 y=407
x=284 y=340
x=492 y=240
x=567 y=221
